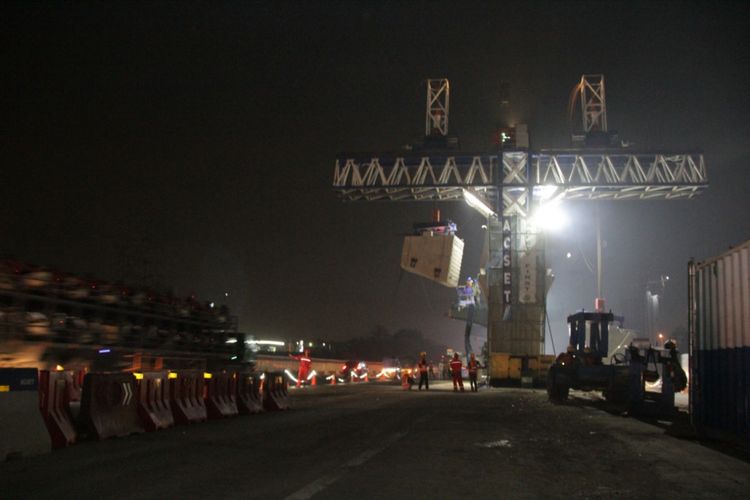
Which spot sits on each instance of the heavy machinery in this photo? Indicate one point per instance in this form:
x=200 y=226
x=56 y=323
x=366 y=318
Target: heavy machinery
x=642 y=378
x=511 y=186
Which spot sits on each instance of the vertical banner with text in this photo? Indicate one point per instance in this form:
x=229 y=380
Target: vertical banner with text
x=507 y=267
x=527 y=270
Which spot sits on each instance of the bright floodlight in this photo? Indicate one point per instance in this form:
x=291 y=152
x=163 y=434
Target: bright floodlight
x=265 y=342
x=478 y=204
x=544 y=193
x=550 y=217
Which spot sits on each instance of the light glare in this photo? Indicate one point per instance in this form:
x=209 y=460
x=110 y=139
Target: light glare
x=550 y=217
x=474 y=202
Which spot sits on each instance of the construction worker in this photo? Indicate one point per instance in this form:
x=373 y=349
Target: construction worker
x=423 y=366
x=456 y=373
x=473 y=368
x=304 y=366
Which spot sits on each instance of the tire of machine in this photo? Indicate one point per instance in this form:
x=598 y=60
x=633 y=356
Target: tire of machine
x=616 y=397
x=557 y=388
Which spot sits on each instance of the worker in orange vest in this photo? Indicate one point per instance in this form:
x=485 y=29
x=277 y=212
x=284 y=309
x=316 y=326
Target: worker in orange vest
x=456 y=373
x=423 y=367
x=473 y=368
x=304 y=366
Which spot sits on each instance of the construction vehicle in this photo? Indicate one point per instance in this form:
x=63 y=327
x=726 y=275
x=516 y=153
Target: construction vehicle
x=642 y=378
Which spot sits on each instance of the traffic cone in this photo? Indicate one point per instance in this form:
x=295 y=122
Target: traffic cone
x=367 y=377
x=333 y=379
x=314 y=380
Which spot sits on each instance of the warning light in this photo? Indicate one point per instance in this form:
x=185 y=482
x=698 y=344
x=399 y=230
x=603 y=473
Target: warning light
x=59 y=368
x=172 y=375
x=207 y=375
x=138 y=376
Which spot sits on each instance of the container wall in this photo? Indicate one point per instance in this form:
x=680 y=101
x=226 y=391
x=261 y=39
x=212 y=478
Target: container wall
x=720 y=372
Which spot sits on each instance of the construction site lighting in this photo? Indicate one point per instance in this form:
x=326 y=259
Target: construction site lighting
x=474 y=202
x=549 y=217
x=544 y=193
x=265 y=342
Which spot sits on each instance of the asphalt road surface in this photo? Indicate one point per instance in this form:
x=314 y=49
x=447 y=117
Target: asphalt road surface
x=378 y=441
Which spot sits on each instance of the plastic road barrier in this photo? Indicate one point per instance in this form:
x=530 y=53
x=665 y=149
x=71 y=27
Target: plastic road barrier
x=275 y=392
x=55 y=392
x=249 y=399
x=221 y=395
x=74 y=388
x=22 y=430
x=186 y=396
x=109 y=405
x=154 y=408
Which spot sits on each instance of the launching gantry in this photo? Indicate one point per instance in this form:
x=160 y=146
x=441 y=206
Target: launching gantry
x=509 y=187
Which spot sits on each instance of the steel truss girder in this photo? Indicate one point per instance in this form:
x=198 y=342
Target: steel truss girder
x=573 y=175
x=618 y=169
x=419 y=173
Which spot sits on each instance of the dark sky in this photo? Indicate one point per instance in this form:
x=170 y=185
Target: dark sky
x=202 y=136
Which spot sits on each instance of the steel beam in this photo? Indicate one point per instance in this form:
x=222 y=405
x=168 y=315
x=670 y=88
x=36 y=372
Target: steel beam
x=570 y=174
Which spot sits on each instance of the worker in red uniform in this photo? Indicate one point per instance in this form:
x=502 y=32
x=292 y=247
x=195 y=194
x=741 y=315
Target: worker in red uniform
x=304 y=366
x=473 y=368
x=423 y=367
x=456 y=373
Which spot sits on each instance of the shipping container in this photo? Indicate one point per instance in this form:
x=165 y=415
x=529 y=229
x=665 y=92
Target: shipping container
x=436 y=257
x=719 y=299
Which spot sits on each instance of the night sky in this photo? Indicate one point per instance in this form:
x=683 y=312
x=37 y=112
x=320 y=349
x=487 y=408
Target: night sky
x=201 y=139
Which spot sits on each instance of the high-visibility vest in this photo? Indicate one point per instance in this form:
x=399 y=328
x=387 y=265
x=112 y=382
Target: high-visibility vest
x=304 y=361
x=456 y=366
